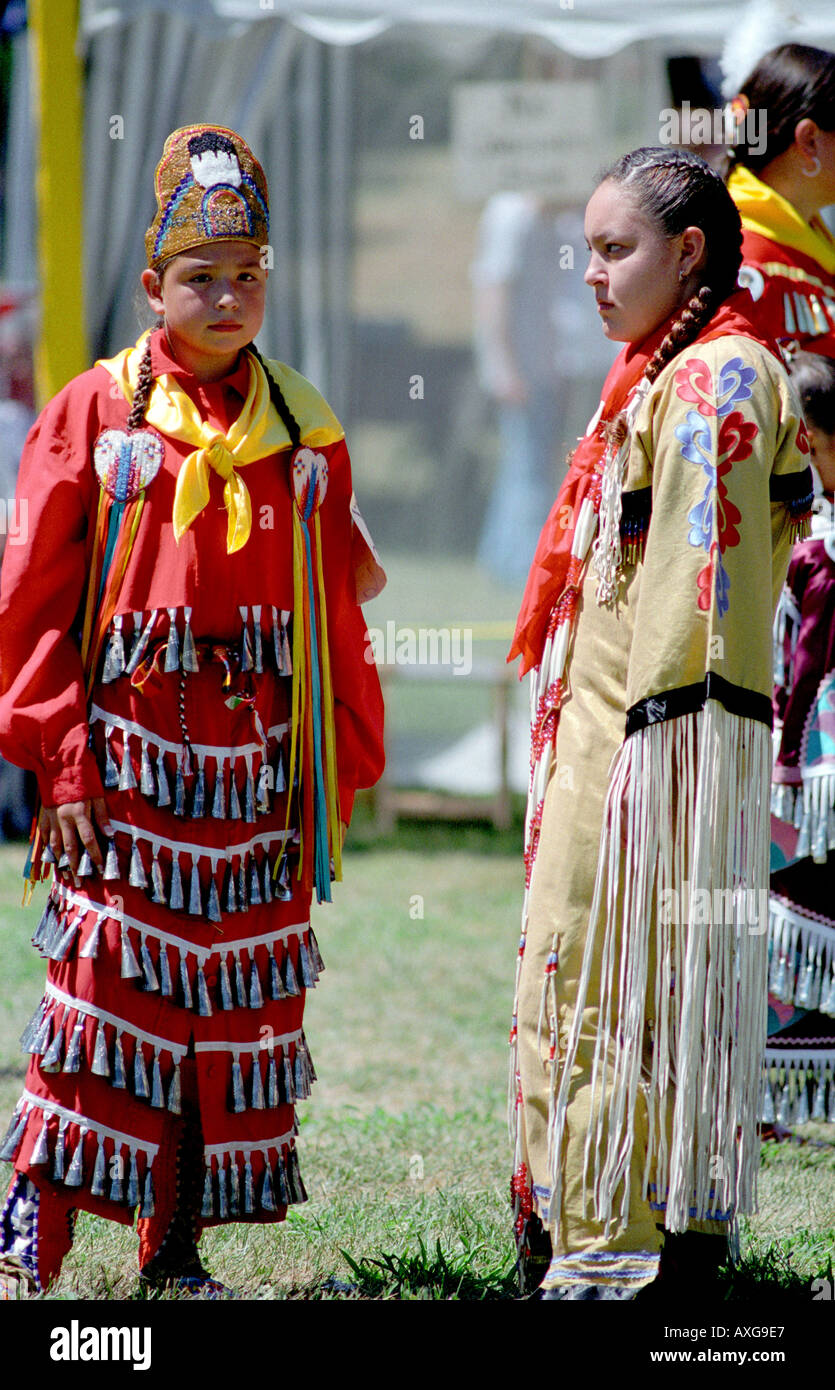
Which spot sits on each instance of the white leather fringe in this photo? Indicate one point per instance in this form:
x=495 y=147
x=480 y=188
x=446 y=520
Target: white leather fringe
x=685 y=840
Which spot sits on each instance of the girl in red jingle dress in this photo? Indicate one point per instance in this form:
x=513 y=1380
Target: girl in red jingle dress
x=184 y=667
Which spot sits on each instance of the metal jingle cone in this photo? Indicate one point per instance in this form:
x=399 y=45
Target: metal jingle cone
x=44 y=928
x=204 y=1004
x=40 y=1153
x=273 y=1098
x=315 y=954
x=291 y=984
x=137 y=877
x=148 y=1207
x=175 y=1094
x=172 y=650
x=42 y=1038
x=114 y=660
x=266 y=880
x=300 y=1080
x=47 y=856
x=294 y=1175
x=249 y=796
x=141 y=639
x=111 y=863
x=130 y=966
x=259 y=641
x=277 y=989
x=14 y=1134
x=280 y=1179
x=289 y=1088
x=100 y=1065
x=132 y=1194
x=72 y=1061
x=179 y=792
x=230 y=901
x=90 y=949
x=280 y=781
x=99 y=1171
x=213 y=912
x=243 y=894
x=151 y=983
x=127 y=778
x=305 y=971
x=85 y=866
x=234 y=799
x=157 y=884
x=256 y=998
x=58 y=1156
x=267 y=1194
x=146 y=773
x=61 y=948
x=285 y=888
x=157 y=1094
x=163 y=788
x=249 y=1188
x=54 y=1054
x=117 y=1176
x=225 y=986
x=195 y=903
x=190 y=662
x=208 y=1206
x=286 y=658
x=198 y=800
x=255 y=899
x=234 y=1187
x=185 y=982
x=238 y=1098
x=257 y=1085
x=33 y=1027
x=165 y=982
x=240 y=987
x=247 y=662
x=262 y=791
x=276 y=642
x=120 y=1079
x=175 y=897
x=219 y=798
x=75 y=1173
x=111 y=767
x=141 y=1089
x=222 y=1197
x=137 y=637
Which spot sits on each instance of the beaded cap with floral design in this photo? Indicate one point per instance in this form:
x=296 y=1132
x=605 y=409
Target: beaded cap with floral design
x=209 y=187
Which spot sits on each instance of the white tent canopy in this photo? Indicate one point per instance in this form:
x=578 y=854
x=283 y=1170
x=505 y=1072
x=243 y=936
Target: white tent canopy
x=585 y=29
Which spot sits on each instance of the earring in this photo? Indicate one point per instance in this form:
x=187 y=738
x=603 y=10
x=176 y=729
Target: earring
x=682 y=276
x=813 y=173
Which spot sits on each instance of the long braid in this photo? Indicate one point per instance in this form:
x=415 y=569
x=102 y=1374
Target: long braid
x=291 y=424
x=142 y=393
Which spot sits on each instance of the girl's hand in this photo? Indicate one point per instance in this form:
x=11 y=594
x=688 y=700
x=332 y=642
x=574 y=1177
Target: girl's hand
x=68 y=829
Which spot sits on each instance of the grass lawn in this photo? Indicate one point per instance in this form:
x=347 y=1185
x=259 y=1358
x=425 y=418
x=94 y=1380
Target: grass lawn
x=403 y=1144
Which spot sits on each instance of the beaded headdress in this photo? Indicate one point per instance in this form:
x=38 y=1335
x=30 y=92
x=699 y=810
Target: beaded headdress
x=209 y=187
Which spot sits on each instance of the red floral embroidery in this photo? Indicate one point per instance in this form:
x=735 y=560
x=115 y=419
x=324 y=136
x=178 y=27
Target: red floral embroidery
x=802 y=440
x=736 y=437
x=694 y=383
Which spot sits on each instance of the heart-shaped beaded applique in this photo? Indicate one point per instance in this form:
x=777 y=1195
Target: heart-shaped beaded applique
x=127 y=463
x=310 y=480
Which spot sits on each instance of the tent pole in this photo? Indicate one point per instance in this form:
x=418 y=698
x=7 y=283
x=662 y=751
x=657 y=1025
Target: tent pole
x=61 y=350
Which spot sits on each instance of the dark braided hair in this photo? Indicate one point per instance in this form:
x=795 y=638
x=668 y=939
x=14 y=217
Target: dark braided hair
x=144 y=383
x=789 y=84
x=291 y=424
x=676 y=189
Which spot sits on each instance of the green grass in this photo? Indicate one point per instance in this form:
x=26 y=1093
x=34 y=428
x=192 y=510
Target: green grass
x=403 y=1144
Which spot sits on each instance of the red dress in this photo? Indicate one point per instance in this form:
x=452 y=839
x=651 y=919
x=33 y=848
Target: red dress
x=794 y=295
x=188 y=955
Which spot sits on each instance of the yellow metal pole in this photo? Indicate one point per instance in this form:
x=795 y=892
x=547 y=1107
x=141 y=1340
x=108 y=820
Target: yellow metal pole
x=57 y=92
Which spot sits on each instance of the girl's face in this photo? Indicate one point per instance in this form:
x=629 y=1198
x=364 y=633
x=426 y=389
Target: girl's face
x=639 y=275
x=822 y=449
x=212 y=298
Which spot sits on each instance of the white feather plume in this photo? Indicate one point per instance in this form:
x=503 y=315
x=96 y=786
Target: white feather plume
x=763 y=25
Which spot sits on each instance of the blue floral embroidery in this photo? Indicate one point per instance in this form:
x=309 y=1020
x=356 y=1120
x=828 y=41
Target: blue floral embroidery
x=735 y=382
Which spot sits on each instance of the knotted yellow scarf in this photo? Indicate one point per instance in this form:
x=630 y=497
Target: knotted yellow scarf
x=771 y=215
x=258 y=432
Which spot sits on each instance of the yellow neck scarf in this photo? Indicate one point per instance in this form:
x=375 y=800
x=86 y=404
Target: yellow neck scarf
x=258 y=432
x=770 y=215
